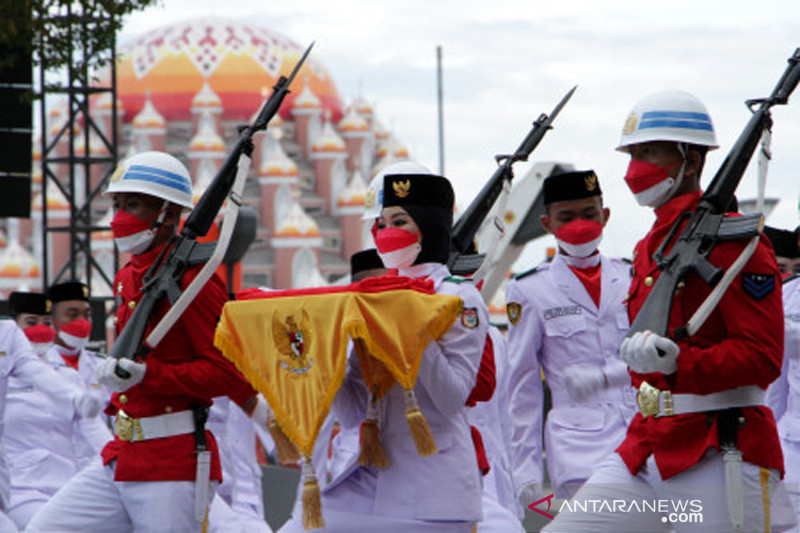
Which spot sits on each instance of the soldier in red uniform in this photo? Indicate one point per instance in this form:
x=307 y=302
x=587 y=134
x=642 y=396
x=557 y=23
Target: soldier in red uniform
x=708 y=456
x=151 y=477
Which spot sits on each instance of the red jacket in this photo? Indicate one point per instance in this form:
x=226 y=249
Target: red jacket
x=185 y=369
x=741 y=343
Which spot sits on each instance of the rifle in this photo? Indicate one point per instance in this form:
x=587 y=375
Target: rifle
x=467 y=225
x=708 y=225
x=164 y=276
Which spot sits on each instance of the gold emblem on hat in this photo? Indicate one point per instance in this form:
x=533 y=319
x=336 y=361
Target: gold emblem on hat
x=590 y=181
x=117 y=175
x=401 y=188
x=369 y=200
x=47 y=306
x=630 y=124
x=85 y=291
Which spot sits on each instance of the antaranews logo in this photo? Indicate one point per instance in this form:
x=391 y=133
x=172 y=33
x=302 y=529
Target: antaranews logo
x=672 y=511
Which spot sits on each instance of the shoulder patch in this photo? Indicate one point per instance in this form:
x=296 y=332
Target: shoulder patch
x=514 y=312
x=469 y=317
x=758 y=285
x=527 y=273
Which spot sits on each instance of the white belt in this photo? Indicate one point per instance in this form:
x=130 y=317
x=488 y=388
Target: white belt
x=153 y=427
x=654 y=402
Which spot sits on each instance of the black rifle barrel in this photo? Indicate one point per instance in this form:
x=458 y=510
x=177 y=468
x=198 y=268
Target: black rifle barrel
x=470 y=221
x=202 y=216
x=719 y=192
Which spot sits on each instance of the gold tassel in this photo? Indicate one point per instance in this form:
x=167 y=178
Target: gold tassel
x=287 y=452
x=371 y=452
x=312 y=501
x=420 y=431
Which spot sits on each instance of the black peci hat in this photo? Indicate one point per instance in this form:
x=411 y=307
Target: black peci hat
x=34 y=303
x=417 y=189
x=69 y=290
x=571 y=186
x=784 y=242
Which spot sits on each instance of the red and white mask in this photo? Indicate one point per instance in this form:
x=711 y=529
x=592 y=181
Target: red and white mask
x=397 y=248
x=579 y=237
x=41 y=337
x=132 y=234
x=75 y=334
x=651 y=184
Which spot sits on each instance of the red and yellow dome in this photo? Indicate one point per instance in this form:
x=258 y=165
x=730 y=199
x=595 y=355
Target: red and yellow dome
x=237 y=60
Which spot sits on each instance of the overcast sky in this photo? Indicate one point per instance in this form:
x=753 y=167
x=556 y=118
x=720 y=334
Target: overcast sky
x=507 y=61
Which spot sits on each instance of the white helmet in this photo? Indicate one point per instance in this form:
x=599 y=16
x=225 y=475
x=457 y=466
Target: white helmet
x=670 y=115
x=155 y=173
x=373 y=203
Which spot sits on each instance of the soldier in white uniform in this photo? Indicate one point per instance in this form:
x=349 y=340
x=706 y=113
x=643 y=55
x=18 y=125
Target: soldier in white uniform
x=568 y=319
x=500 y=509
x=72 y=320
x=783 y=395
x=440 y=492
x=18 y=360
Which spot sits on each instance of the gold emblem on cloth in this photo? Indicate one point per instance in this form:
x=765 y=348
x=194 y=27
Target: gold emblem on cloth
x=293 y=342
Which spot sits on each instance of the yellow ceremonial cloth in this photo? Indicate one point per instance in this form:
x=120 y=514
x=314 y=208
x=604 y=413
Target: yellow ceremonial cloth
x=293 y=348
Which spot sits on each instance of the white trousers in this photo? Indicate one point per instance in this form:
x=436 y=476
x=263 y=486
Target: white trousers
x=93 y=501
x=695 y=500
x=222 y=518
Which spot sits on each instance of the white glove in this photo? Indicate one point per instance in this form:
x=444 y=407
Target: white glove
x=88 y=405
x=107 y=376
x=641 y=352
x=582 y=381
x=529 y=493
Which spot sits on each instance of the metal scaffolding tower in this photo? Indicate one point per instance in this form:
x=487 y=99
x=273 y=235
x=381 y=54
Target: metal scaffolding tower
x=70 y=39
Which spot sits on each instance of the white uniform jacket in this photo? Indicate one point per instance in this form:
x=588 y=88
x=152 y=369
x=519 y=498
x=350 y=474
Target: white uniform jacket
x=554 y=324
x=444 y=486
x=783 y=395
x=18 y=360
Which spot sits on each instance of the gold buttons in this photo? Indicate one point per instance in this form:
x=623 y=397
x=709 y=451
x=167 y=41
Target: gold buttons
x=123 y=399
x=648 y=281
x=115 y=319
x=131 y=305
x=168 y=409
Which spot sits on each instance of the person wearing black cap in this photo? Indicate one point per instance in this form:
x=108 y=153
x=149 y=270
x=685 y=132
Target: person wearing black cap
x=787 y=251
x=19 y=362
x=442 y=491
x=567 y=318
x=31 y=312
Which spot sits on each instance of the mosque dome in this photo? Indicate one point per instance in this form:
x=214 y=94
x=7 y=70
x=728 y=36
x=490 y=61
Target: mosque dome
x=235 y=58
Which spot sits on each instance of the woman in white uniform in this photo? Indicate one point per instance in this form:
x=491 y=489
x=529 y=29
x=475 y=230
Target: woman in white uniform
x=439 y=492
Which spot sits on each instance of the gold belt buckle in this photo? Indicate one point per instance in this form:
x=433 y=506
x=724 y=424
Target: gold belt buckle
x=647 y=399
x=127 y=428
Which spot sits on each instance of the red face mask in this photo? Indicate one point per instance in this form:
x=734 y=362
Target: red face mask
x=132 y=234
x=40 y=333
x=651 y=184
x=398 y=248
x=580 y=237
